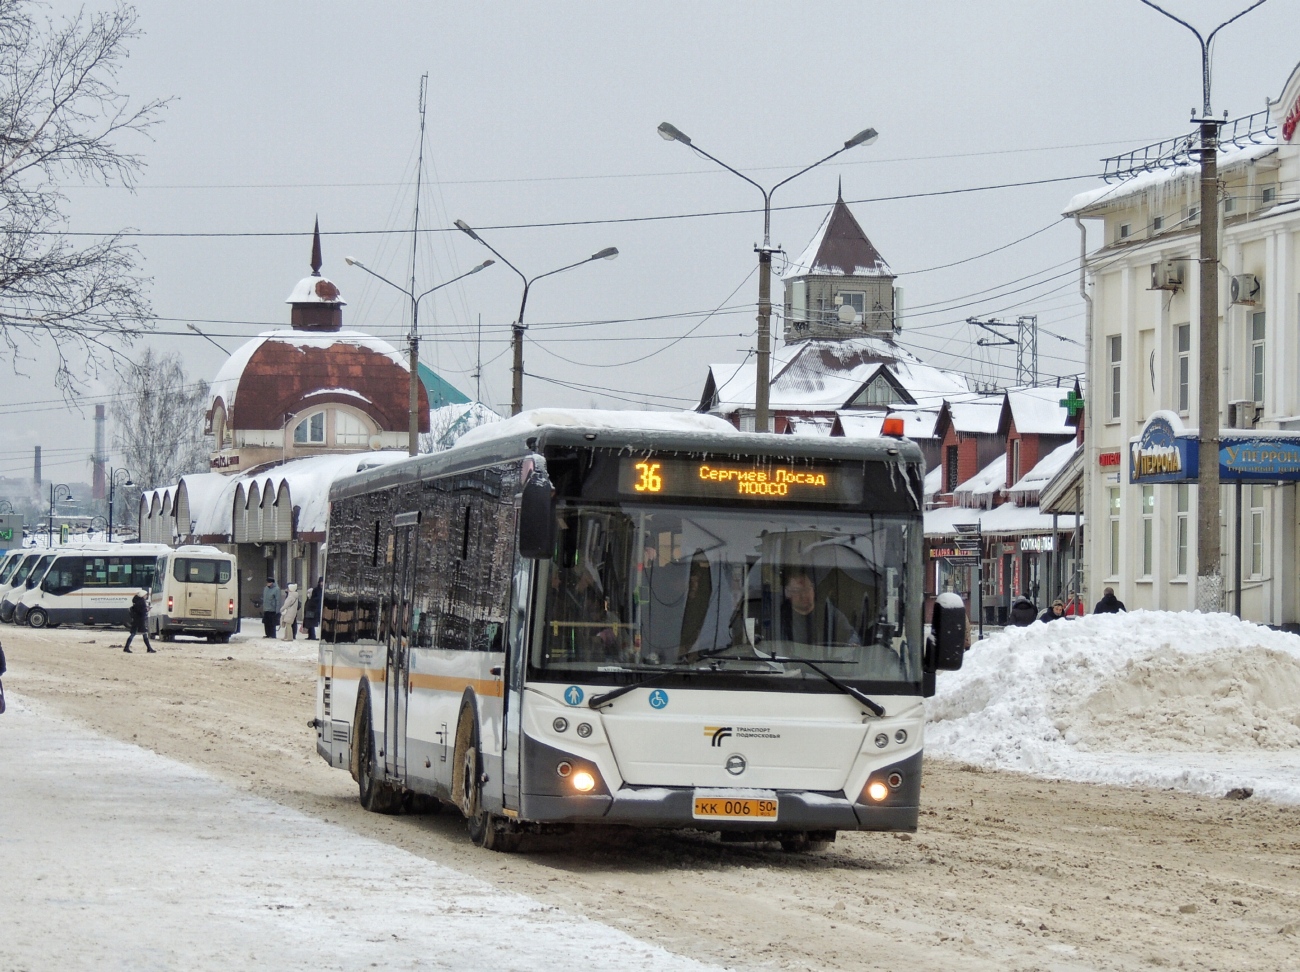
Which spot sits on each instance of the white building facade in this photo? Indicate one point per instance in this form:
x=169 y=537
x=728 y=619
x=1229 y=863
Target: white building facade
x=1142 y=287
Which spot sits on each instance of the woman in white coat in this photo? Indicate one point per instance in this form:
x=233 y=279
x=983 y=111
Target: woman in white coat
x=289 y=615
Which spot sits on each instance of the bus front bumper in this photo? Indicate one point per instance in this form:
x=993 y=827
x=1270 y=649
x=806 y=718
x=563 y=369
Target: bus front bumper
x=673 y=806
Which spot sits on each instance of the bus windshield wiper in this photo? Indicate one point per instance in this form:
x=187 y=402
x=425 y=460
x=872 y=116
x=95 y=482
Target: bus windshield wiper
x=875 y=707
x=598 y=701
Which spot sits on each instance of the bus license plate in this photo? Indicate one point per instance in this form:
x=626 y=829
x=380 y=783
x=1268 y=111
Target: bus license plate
x=730 y=808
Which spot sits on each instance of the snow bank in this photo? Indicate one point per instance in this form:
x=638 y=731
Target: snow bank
x=1203 y=703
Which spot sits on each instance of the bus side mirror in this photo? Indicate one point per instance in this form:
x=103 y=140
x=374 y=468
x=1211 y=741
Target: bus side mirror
x=947 y=642
x=537 y=519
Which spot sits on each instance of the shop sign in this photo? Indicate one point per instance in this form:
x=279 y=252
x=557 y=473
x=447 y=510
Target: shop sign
x=1037 y=544
x=1163 y=453
x=224 y=462
x=1108 y=458
x=1291 y=121
x=1259 y=458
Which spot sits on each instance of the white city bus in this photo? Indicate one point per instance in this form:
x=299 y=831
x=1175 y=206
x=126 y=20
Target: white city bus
x=573 y=623
x=91 y=585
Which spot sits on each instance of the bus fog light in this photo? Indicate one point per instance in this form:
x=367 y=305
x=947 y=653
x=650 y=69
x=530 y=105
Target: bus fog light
x=583 y=781
x=882 y=740
x=584 y=729
x=900 y=736
x=564 y=769
x=877 y=790
x=560 y=724
x=895 y=780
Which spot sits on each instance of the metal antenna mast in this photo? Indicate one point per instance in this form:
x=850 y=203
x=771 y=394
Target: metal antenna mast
x=1025 y=342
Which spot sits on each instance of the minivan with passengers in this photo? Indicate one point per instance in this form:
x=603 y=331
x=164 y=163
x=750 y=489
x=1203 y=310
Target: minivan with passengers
x=90 y=585
x=195 y=592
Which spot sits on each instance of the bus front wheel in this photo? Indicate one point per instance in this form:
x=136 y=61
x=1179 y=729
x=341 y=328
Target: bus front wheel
x=38 y=618
x=486 y=829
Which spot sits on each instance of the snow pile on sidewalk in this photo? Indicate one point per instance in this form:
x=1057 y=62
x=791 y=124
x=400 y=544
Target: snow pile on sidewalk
x=1204 y=703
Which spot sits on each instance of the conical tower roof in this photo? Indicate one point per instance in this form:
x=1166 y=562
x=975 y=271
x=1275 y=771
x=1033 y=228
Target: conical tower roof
x=839 y=248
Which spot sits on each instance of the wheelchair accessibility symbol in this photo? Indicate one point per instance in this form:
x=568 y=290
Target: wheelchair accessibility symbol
x=573 y=695
x=658 y=699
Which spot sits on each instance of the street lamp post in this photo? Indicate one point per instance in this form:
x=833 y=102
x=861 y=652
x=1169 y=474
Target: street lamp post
x=6 y=507
x=55 y=490
x=1209 y=574
x=517 y=329
x=112 y=485
x=761 y=385
x=100 y=517
x=413 y=431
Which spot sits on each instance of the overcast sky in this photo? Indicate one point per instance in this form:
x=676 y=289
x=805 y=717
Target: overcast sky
x=545 y=113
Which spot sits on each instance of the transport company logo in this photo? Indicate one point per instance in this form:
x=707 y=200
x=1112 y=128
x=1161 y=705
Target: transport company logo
x=718 y=733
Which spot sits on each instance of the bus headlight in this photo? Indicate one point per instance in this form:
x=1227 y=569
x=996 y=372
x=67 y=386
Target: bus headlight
x=583 y=781
x=877 y=790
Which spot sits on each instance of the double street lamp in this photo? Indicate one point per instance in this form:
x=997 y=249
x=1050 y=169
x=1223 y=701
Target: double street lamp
x=761 y=387
x=57 y=491
x=112 y=486
x=413 y=339
x=517 y=329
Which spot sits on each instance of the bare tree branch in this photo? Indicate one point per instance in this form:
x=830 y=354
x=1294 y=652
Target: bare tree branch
x=61 y=116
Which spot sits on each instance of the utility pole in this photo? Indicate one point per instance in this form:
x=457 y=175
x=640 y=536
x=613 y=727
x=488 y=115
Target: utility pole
x=413 y=433
x=1025 y=342
x=1209 y=568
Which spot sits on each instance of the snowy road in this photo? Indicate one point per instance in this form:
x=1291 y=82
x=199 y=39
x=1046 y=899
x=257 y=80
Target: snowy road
x=117 y=858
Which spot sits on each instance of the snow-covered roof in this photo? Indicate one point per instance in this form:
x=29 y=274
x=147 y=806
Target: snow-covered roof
x=226 y=383
x=1037 y=411
x=1007 y=519
x=1047 y=467
x=811 y=425
x=933 y=481
x=918 y=423
x=592 y=418
x=986 y=482
x=1104 y=197
x=316 y=290
x=976 y=414
x=839 y=248
x=824 y=375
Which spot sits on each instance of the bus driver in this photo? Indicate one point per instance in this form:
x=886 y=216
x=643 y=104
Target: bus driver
x=803 y=624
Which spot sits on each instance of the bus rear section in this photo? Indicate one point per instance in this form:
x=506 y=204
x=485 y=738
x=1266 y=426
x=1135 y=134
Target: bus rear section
x=91 y=586
x=195 y=593
x=655 y=630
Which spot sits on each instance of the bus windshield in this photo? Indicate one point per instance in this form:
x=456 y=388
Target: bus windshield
x=741 y=592
x=24 y=569
x=10 y=566
x=38 y=572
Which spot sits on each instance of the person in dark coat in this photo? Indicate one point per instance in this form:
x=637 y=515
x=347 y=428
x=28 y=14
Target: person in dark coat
x=139 y=621
x=1023 y=612
x=1109 y=603
x=1054 y=613
x=312 y=609
x=3 y=669
x=271 y=601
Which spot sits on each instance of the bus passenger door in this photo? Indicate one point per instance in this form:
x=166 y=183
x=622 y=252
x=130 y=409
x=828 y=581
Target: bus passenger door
x=396 y=682
x=516 y=666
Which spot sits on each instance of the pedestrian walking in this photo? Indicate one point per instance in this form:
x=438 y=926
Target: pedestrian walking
x=1022 y=613
x=271 y=599
x=311 y=611
x=289 y=615
x=1109 y=603
x=139 y=621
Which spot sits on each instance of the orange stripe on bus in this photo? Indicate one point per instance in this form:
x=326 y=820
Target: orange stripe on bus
x=342 y=671
x=450 y=683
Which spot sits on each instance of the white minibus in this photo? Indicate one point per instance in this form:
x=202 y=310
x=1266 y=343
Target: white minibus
x=90 y=585
x=195 y=592
x=27 y=576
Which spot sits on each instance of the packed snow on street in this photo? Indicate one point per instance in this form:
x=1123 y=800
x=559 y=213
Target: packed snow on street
x=1203 y=703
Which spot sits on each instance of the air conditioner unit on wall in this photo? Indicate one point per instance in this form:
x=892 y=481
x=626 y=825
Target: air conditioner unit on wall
x=1167 y=275
x=1243 y=414
x=1245 y=288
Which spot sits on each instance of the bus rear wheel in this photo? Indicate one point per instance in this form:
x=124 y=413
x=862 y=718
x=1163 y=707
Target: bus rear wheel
x=374 y=794
x=804 y=844
x=37 y=618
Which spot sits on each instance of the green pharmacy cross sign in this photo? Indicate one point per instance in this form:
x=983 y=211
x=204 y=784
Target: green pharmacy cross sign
x=1073 y=403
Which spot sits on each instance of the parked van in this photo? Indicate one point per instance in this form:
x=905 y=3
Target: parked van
x=27 y=576
x=12 y=558
x=91 y=585
x=195 y=592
